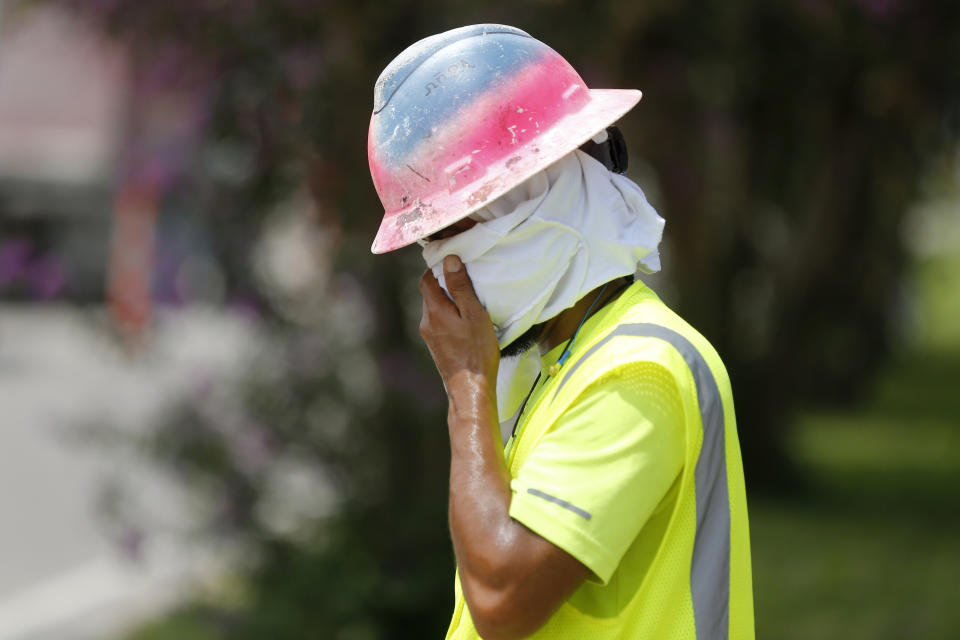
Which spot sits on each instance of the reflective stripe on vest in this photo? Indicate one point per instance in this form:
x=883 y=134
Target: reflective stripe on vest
x=710 y=565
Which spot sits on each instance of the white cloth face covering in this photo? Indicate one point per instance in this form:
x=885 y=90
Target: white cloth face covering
x=546 y=243
x=549 y=241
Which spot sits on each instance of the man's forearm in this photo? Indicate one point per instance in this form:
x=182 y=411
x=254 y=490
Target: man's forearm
x=479 y=481
x=512 y=578
x=484 y=535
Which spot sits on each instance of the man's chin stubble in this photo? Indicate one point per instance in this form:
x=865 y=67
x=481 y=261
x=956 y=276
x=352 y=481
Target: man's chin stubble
x=524 y=342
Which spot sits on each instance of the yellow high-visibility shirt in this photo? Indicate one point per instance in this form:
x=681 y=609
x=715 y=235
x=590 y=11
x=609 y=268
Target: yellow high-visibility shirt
x=628 y=460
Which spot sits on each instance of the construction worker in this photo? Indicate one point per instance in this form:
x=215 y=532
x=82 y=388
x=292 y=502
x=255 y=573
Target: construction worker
x=599 y=493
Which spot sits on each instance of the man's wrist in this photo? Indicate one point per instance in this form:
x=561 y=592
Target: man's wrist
x=473 y=399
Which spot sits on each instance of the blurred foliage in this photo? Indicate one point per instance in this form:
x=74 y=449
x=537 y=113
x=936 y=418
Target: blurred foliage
x=782 y=141
x=869 y=553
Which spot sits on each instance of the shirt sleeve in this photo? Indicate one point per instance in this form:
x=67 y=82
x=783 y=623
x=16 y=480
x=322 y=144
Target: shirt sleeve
x=600 y=471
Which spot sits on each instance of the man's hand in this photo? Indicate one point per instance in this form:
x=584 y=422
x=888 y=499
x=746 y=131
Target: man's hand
x=458 y=333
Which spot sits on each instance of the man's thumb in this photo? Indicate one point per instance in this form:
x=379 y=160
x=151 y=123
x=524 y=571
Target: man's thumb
x=452 y=264
x=458 y=282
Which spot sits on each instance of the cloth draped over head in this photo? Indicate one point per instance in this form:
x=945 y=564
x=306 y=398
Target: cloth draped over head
x=542 y=246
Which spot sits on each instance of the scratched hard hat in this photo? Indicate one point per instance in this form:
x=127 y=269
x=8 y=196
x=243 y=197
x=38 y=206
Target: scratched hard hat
x=462 y=117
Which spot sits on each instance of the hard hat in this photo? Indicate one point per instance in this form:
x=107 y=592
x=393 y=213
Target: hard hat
x=462 y=117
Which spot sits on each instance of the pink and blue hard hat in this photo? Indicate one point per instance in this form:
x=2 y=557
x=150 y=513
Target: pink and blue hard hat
x=462 y=117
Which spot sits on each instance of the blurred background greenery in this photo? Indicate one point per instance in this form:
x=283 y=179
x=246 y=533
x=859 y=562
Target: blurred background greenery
x=805 y=156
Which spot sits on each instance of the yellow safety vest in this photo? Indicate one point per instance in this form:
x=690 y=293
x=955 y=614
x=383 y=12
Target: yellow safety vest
x=696 y=581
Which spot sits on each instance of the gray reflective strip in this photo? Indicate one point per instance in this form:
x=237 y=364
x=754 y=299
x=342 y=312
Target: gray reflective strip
x=710 y=567
x=563 y=503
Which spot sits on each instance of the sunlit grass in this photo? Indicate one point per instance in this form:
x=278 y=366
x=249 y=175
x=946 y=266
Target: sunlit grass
x=854 y=571
x=938 y=285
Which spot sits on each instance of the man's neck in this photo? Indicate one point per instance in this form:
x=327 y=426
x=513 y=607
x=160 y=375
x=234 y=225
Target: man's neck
x=562 y=327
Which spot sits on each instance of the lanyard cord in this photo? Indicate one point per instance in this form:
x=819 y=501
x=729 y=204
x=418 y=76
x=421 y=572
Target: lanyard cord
x=555 y=368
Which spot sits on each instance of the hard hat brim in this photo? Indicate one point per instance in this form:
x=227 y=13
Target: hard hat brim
x=423 y=218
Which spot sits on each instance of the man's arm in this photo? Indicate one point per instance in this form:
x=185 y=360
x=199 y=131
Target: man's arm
x=513 y=579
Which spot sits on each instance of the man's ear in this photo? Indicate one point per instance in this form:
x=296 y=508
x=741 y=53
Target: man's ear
x=610 y=151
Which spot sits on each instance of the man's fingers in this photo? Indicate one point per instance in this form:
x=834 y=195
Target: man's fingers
x=459 y=285
x=433 y=295
x=425 y=319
